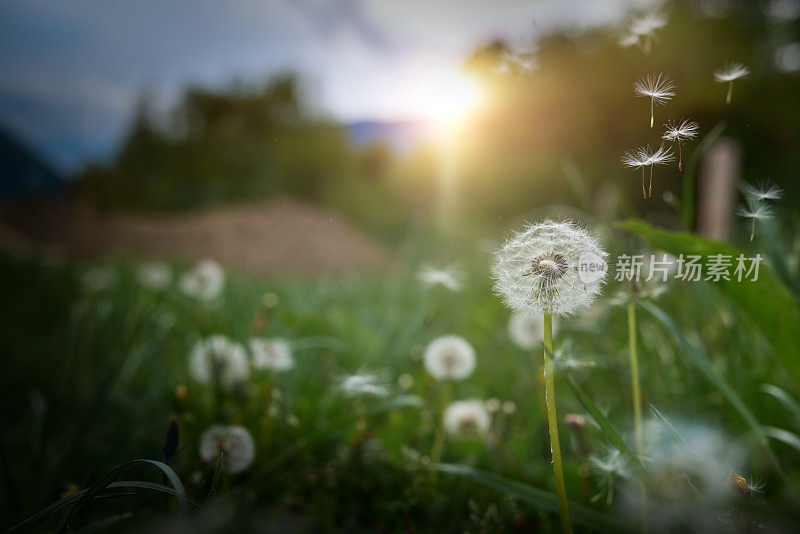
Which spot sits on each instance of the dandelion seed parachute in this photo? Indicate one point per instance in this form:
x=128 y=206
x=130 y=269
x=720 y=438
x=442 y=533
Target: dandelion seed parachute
x=234 y=442
x=659 y=88
x=755 y=210
x=765 y=190
x=642 y=157
x=467 y=418
x=220 y=356
x=364 y=384
x=449 y=278
x=728 y=74
x=680 y=132
x=449 y=358
x=537 y=269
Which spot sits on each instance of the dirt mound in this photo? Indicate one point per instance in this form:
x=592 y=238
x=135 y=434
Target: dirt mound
x=277 y=236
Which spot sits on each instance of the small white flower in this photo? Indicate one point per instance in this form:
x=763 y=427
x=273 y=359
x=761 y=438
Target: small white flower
x=449 y=277
x=467 y=418
x=98 y=279
x=234 y=442
x=659 y=88
x=527 y=330
x=362 y=384
x=205 y=282
x=274 y=354
x=449 y=358
x=728 y=74
x=765 y=190
x=221 y=357
x=537 y=269
x=154 y=275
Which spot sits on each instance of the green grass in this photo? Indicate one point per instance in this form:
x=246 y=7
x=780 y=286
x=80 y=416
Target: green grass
x=91 y=382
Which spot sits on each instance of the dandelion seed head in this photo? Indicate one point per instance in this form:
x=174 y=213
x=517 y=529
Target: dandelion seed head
x=493 y=404
x=234 y=442
x=765 y=190
x=360 y=384
x=538 y=269
x=449 y=358
x=205 y=282
x=274 y=354
x=467 y=418
x=679 y=132
x=449 y=277
x=730 y=72
x=658 y=87
x=221 y=357
x=155 y=275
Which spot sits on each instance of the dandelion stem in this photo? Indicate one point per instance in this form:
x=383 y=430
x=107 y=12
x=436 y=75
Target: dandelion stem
x=651 y=112
x=644 y=193
x=650 y=189
x=753 y=229
x=438 y=440
x=552 y=423
x=730 y=91
x=680 y=157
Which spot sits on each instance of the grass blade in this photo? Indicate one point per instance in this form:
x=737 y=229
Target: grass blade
x=785 y=399
x=673 y=432
x=702 y=364
x=212 y=491
x=535 y=496
x=789 y=438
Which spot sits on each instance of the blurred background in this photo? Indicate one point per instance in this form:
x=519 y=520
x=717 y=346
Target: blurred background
x=374 y=121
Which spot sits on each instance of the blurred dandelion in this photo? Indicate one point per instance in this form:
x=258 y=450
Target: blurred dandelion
x=728 y=74
x=360 y=384
x=98 y=279
x=764 y=190
x=526 y=330
x=154 y=275
x=493 y=405
x=755 y=210
x=678 y=133
x=234 y=442
x=218 y=358
x=642 y=31
x=405 y=381
x=642 y=157
x=467 y=418
x=659 y=88
x=448 y=277
x=449 y=358
x=205 y=282
x=274 y=354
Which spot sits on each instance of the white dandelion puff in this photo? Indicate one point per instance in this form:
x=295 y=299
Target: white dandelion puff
x=155 y=275
x=364 y=384
x=728 y=74
x=234 y=442
x=526 y=330
x=449 y=277
x=659 y=88
x=647 y=24
x=98 y=279
x=678 y=132
x=755 y=210
x=764 y=190
x=205 y=282
x=218 y=358
x=538 y=269
x=642 y=157
x=467 y=418
x=274 y=354
x=449 y=358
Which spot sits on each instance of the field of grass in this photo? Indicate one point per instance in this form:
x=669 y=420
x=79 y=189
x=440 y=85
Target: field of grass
x=93 y=377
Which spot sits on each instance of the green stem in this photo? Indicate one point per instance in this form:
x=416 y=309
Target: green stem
x=438 y=440
x=730 y=91
x=637 y=395
x=552 y=423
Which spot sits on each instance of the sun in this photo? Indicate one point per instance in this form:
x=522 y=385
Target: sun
x=447 y=96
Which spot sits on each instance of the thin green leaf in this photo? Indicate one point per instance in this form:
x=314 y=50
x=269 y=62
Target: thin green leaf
x=789 y=438
x=536 y=497
x=767 y=301
x=212 y=491
x=691 y=171
x=785 y=399
x=702 y=364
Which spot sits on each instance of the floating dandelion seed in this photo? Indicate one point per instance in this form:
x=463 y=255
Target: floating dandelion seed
x=756 y=210
x=274 y=354
x=730 y=73
x=642 y=157
x=205 y=282
x=364 y=384
x=680 y=132
x=537 y=269
x=644 y=28
x=449 y=277
x=659 y=88
x=449 y=358
x=765 y=190
x=467 y=418
x=217 y=358
x=234 y=442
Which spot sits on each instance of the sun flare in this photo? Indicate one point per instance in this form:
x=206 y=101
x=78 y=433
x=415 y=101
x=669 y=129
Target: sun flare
x=448 y=98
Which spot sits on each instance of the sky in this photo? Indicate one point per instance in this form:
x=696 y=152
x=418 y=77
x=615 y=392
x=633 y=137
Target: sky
x=74 y=70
